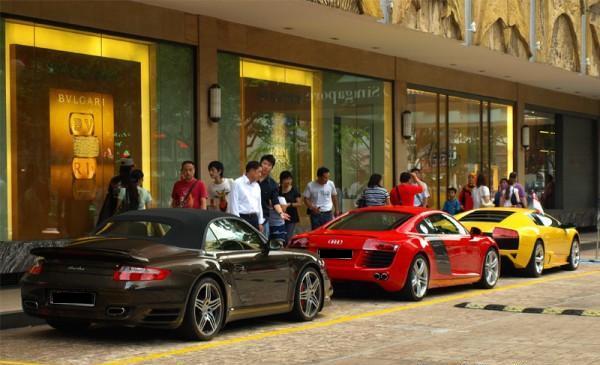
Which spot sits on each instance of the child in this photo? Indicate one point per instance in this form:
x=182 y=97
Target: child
x=452 y=206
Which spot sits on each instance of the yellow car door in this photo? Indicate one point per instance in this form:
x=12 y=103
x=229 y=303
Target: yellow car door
x=553 y=237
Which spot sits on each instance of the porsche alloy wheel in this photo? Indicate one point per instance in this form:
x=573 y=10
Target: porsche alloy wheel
x=491 y=270
x=204 y=312
x=575 y=256
x=309 y=295
x=417 y=279
x=536 y=262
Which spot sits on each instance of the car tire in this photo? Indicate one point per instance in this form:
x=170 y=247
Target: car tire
x=574 y=256
x=490 y=271
x=417 y=279
x=205 y=311
x=535 y=267
x=68 y=325
x=309 y=294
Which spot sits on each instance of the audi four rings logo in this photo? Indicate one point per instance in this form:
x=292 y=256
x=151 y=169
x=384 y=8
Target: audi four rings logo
x=335 y=242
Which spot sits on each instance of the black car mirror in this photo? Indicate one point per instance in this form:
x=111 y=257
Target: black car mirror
x=567 y=225
x=276 y=244
x=475 y=231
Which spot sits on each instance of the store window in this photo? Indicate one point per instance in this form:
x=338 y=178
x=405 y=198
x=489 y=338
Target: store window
x=306 y=118
x=75 y=102
x=455 y=136
x=540 y=158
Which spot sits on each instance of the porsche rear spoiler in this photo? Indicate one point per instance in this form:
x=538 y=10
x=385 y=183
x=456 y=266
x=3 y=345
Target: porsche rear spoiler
x=87 y=253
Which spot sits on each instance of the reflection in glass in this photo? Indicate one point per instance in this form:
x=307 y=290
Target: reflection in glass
x=540 y=159
x=464 y=129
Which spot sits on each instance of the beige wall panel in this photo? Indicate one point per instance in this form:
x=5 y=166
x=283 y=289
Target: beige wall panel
x=114 y=16
x=558 y=101
x=558 y=28
x=282 y=47
x=448 y=79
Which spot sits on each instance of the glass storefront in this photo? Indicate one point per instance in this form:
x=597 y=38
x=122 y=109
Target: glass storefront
x=455 y=136
x=306 y=118
x=540 y=158
x=75 y=102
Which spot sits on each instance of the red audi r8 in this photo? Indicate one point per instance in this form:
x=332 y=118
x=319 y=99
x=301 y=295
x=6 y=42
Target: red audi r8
x=403 y=249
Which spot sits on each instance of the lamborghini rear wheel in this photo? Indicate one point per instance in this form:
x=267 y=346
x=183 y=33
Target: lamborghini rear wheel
x=536 y=262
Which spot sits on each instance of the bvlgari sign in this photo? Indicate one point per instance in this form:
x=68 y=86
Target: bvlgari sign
x=78 y=122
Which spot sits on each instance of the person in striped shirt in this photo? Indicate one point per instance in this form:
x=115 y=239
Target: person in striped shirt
x=374 y=194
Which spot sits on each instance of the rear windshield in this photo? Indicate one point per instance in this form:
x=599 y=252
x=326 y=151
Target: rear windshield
x=492 y=216
x=139 y=229
x=370 y=221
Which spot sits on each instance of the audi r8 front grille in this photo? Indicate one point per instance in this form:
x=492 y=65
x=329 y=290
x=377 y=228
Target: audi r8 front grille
x=377 y=259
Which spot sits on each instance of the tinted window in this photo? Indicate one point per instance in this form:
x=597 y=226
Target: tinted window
x=544 y=220
x=231 y=235
x=370 y=221
x=439 y=224
x=141 y=229
x=494 y=216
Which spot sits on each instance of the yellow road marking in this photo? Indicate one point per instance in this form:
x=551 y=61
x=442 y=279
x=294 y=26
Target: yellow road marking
x=591 y=313
x=512 y=308
x=8 y=362
x=338 y=320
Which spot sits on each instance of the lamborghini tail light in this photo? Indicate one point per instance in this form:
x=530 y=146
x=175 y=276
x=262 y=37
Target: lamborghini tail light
x=504 y=233
x=136 y=273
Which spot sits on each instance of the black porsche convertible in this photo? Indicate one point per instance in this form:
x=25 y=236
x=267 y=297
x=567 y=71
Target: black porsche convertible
x=173 y=268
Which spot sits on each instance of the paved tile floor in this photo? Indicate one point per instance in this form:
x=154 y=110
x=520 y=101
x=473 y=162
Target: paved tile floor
x=363 y=327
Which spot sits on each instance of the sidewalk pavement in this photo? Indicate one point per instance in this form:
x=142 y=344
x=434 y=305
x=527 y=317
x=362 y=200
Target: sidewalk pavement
x=12 y=316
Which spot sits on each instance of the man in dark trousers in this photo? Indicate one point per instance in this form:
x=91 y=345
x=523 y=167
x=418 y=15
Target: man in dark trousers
x=269 y=191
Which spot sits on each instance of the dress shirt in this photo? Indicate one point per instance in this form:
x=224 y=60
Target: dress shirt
x=245 y=198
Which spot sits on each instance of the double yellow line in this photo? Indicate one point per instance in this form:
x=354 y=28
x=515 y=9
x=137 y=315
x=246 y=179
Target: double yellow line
x=326 y=323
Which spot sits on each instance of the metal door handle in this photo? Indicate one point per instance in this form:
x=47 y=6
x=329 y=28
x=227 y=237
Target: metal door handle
x=239 y=268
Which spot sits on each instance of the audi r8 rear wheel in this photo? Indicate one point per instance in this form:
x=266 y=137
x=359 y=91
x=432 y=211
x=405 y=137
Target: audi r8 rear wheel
x=536 y=262
x=417 y=279
x=68 y=325
x=205 y=311
x=308 y=298
x=491 y=270
x=574 y=257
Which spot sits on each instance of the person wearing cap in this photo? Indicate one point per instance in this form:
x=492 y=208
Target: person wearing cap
x=466 y=194
x=109 y=207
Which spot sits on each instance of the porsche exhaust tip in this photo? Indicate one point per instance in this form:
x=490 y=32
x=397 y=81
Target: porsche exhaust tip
x=116 y=311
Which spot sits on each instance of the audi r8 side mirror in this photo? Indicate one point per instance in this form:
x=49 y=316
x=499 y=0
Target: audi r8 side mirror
x=475 y=231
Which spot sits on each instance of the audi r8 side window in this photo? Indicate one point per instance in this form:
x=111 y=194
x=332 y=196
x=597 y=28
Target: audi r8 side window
x=370 y=221
x=444 y=225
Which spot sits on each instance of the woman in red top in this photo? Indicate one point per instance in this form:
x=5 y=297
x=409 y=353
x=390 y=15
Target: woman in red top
x=404 y=193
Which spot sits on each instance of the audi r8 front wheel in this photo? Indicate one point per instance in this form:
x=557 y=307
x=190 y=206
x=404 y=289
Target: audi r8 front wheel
x=308 y=298
x=536 y=262
x=205 y=311
x=417 y=279
x=491 y=270
x=574 y=256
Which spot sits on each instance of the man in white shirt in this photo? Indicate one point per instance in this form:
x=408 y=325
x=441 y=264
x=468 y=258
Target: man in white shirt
x=245 y=197
x=421 y=199
x=320 y=197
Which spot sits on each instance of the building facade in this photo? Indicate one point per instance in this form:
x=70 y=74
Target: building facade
x=86 y=82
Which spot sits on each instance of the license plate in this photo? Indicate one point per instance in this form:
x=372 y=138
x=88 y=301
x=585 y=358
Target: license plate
x=74 y=298
x=335 y=254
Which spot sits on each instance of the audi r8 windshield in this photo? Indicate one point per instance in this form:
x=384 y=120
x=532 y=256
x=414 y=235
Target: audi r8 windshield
x=370 y=221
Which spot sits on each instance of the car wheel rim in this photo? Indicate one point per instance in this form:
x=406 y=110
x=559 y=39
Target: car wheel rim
x=539 y=258
x=208 y=309
x=310 y=294
x=420 y=277
x=491 y=267
x=575 y=254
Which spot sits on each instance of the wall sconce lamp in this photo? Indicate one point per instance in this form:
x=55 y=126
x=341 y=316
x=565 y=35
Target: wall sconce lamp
x=525 y=137
x=214 y=102
x=407 y=124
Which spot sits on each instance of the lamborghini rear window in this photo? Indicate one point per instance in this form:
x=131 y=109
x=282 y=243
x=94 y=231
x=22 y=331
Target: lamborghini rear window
x=492 y=216
x=370 y=221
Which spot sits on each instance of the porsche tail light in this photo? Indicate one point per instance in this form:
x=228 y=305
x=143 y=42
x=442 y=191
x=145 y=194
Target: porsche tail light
x=299 y=243
x=136 y=273
x=37 y=268
x=377 y=245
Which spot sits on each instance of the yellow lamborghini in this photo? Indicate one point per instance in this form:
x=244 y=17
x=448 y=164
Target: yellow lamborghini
x=529 y=240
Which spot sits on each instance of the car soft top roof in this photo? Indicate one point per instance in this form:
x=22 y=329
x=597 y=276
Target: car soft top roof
x=188 y=225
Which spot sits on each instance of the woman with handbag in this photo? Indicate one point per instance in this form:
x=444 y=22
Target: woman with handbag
x=481 y=194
